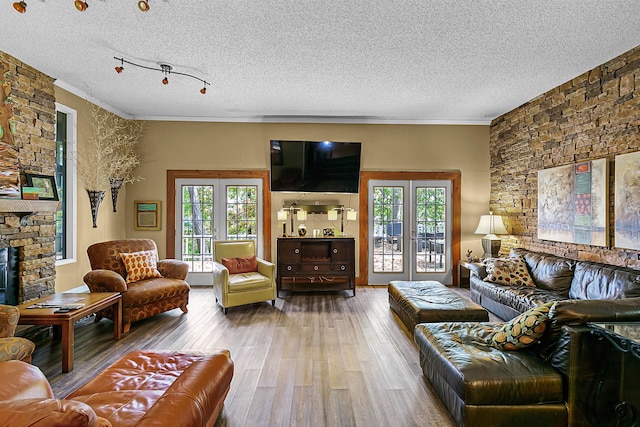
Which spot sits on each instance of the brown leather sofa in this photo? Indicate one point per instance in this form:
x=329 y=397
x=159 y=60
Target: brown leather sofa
x=13 y=348
x=141 y=389
x=552 y=383
x=556 y=279
x=141 y=299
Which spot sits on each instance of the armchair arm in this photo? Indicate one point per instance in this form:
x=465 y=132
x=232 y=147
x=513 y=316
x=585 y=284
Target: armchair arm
x=220 y=280
x=48 y=412
x=578 y=312
x=267 y=268
x=8 y=320
x=105 y=281
x=173 y=268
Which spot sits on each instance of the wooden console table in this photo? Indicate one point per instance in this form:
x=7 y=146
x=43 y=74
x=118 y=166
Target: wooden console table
x=316 y=264
x=92 y=302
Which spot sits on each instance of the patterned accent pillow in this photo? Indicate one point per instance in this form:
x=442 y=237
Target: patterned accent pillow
x=241 y=265
x=140 y=265
x=523 y=330
x=508 y=271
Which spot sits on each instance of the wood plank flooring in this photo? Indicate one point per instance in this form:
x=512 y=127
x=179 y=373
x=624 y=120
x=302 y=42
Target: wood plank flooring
x=312 y=360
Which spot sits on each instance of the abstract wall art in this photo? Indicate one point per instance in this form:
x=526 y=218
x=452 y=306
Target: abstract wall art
x=627 y=201
x=572 y=203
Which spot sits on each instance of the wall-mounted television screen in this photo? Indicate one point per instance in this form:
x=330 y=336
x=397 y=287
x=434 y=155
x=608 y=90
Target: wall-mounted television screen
x=315 y=166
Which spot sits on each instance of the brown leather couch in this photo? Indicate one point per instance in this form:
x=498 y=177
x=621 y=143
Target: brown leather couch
x=141 y=299
x=552 y=383
x=13 y=348
x=141 y=389
x=556 y=279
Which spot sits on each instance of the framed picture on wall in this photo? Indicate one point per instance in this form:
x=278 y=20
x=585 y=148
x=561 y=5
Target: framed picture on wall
x=147 y=215
x=45 y=184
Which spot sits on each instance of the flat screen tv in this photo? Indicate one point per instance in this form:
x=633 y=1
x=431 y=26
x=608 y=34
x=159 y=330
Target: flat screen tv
x=315 y=166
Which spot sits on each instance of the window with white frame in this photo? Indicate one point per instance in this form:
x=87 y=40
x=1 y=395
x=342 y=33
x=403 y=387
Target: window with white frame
x=66 y=216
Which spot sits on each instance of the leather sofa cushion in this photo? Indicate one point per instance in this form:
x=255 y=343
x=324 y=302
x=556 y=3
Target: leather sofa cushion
x=520 y=298
x=243 y=282
x=601 y=281
x=150 y=291
x=549 y=272
x=479 y=374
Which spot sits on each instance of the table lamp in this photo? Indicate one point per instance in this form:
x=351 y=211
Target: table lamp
x=490 y=225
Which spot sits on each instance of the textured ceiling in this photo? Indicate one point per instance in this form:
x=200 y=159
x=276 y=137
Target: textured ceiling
x=412 y=61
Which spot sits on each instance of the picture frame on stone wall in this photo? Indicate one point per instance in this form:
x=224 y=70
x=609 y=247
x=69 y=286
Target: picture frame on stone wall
x=627 y=201
x=46 y=185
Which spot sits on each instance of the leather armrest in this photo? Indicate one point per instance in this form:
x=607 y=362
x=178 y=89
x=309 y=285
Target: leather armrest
x=105 y=281
x=266 y=268
x=220 y=279
x=578 y=312
x=477 y=269
x=21 y=380
x=173 y=268
x=47 y=412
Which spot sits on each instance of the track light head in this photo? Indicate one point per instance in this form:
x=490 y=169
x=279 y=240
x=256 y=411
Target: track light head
x=119 y=69
x=203 y=90
x=20 y=6
x=165 y=81
x=81 y=5
x=143 y=5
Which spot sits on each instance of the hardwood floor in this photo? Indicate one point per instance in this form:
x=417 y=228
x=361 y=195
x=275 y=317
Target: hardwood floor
x=312 y=360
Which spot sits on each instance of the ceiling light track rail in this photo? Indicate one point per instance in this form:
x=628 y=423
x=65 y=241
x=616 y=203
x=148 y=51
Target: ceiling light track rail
x=166 y=69
x=81 y=5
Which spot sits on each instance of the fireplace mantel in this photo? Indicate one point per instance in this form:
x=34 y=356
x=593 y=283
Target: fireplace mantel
x=26 y=208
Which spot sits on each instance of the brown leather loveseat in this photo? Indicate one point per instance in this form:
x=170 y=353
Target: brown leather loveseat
x=141 y=298
x=142 y=389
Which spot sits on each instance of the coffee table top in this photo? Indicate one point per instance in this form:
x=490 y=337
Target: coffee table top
x=85 y=302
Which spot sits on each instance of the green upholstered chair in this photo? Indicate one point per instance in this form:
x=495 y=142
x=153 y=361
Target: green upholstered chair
x=13 y=348
x=248 y=287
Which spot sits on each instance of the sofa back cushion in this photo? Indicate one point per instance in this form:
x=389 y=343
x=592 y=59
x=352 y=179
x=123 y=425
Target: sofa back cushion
x=549 y=272
x=106 y=255
x=600 y=281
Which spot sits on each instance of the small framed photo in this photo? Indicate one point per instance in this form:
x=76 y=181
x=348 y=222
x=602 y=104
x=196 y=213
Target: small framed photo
x=45 y=184
x=147 y=215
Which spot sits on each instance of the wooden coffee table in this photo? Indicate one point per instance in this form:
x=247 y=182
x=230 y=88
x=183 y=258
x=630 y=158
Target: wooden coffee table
x=91 y=302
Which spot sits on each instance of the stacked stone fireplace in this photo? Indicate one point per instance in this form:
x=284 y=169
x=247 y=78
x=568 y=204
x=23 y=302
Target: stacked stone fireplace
x=28 y=226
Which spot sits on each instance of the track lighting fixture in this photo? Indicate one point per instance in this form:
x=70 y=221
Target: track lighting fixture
x=81 y=5
x=20 y=6
x=143 y=5
x=166 y=69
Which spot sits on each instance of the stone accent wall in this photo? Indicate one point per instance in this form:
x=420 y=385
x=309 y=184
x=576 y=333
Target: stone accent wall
x=596 y=115
x=34 y=113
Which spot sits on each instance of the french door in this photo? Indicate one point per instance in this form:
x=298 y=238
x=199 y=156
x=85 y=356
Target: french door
x=214 y=209
x=410 y=230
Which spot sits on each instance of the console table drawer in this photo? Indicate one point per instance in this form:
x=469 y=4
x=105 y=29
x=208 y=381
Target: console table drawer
x=315 y=268
x=288 y=268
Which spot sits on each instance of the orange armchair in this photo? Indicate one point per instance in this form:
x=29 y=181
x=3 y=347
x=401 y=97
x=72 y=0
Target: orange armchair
x=143 y=298
x=13 y=348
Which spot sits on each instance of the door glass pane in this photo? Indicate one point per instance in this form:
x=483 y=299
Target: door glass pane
x=197 y=227
x=388 y=238
x=430 y=225
x=242 y=208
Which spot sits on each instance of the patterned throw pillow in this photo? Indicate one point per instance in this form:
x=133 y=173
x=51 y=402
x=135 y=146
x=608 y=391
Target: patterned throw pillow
x=523 y=330
x=140 y=265
x=508 y=271
x=241 y=265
